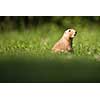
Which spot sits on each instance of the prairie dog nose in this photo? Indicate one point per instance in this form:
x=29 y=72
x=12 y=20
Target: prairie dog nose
x=75 y=34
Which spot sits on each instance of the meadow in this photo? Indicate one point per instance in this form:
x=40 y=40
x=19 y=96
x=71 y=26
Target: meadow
x=26 y=56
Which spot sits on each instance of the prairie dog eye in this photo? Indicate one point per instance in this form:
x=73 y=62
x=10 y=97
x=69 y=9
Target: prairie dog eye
x=69 y=30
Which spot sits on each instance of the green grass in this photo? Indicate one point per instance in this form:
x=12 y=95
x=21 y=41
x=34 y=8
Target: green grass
x=27 y=57
x=39 y=42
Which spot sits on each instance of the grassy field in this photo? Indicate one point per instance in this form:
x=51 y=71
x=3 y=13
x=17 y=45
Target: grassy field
x=26 y=56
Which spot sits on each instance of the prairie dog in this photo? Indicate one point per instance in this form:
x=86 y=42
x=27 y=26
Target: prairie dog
x=65 y=43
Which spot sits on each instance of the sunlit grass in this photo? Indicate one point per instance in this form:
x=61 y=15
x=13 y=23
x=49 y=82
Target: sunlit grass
x=38 y=42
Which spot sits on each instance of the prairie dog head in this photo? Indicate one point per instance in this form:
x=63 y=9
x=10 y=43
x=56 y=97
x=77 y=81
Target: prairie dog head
x=69 y=34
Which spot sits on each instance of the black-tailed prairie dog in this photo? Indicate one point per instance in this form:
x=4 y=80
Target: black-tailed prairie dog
x=65 y=43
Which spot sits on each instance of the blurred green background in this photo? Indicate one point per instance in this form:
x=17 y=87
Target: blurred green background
x=25 y=49
x=8 y=23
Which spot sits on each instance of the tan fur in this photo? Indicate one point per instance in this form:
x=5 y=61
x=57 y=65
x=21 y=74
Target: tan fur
x=64 y=44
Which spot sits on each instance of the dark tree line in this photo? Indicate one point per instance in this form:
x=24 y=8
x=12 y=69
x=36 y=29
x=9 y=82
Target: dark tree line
x=24 y=22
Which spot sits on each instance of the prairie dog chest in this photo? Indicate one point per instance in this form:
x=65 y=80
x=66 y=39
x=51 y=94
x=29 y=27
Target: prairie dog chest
x=66 y=43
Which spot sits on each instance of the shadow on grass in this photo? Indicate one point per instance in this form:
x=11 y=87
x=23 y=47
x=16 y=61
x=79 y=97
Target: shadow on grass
x=48 y=70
